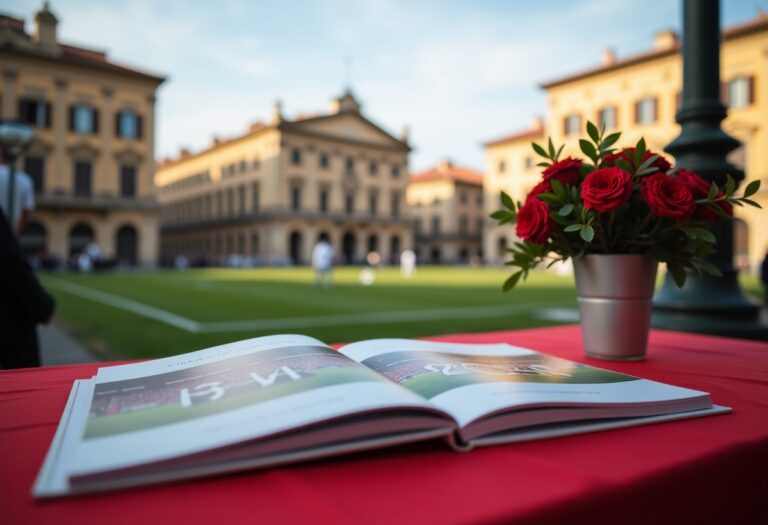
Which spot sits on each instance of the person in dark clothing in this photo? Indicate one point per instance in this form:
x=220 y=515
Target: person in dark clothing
x=23 y=304
x=764 y=278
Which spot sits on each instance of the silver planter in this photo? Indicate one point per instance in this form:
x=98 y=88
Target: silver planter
x=615 y=301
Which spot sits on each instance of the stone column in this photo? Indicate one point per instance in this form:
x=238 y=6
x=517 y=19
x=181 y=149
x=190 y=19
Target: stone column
x=146 y=187
x=109 y=180
x=10 y=104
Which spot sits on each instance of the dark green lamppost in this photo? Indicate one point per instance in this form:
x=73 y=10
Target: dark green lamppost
x=706 y=304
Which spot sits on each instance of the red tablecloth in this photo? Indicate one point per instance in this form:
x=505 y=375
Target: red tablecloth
x=707 y=470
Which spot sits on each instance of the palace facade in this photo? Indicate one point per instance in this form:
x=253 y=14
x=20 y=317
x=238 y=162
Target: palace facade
x=445 y=204
x=92 y=159
x=273 y=192
x=640 y=95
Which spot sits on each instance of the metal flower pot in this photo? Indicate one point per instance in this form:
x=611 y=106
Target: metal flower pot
x=615 y=300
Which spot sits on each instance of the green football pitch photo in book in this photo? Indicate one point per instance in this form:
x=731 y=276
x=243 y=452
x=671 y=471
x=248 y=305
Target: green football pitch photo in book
x=287 y=398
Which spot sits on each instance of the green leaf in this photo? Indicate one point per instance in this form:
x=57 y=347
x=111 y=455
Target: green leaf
x=750 y=202
x=566 y=210
x=574 y=227
x=551 y=149
x=709 y=267
x=677 y=271
x=730 y=186
x=640 y=150
x=499 y=215
x=650 y=160
x=549 y=198
x=588 y=149
x=512 y=281
x=713 y=190
x=507 y=200
x=562 y=221
x=559 y=189
x=538 y=149
x=751 y=188
x=592 y=132
x=544 y=164
x=706 y=235
x=609 y=141
x=658 y=254
x=559 y=151
x=587 y=233
x=626 y=166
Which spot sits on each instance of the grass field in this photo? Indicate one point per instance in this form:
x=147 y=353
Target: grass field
x=152 y=314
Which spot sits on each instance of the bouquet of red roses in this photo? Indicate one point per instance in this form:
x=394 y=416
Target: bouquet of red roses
x=630 y=201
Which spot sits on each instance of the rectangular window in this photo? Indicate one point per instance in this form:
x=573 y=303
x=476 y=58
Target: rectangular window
x=34 y=166
x=296 y=156
x=83 y=120
x=127 y=181
x=463 y=197
x=502 y=167
x=230 y=202
x=83 y=178
x=295 y=198
x=435 y=225
x=254 y=244
x=373 y=168
x=373 y=203
x=417 y=227
x=740 y=92
x=219 y=204
x=395 y=204
x=128 y=125
x=572 y=124
x=528 y=163
x=350 y=164
x=36 y=112
x=463 y=224
x=241 y=200
x=243 y=166
x=325 y=162
x=395 y=170
x=645 y=111
x=323 y=201
x=349 y=203
x=255 y=198
x=480 y=225
x=606 y=118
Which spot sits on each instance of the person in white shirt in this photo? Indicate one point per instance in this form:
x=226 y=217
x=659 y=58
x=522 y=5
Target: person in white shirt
x=408 y=264
x=322 y=263
x=23 y=196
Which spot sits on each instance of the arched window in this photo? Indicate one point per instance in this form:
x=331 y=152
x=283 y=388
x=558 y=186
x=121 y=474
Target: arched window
x=127 y=241
x=348 y=246
x=295 y=247
x=33 y=239
x=80 y=236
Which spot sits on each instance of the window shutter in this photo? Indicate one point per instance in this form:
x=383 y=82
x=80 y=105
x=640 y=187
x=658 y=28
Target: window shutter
x=565 y=125
x=139 y=126
x=117 y=123
x=655 y=109
x=71 y=118
x=95 y=117
x=637 y=112
x=724 y=93
x=47 y=109
x=751 y=90
x=616 y=117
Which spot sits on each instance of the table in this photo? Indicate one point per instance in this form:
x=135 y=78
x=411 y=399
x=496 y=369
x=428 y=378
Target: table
x=706 y=470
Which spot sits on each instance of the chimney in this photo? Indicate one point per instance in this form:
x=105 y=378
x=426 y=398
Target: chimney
x=538 y=123
x=405 y=134
x=45 y=28
x=444 y=165
x=609 y=56
x=277 y=113
x=664 y=40
x=184 y=153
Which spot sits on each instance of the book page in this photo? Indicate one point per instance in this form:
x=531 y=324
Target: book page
x=223 y=396
x=472 y=381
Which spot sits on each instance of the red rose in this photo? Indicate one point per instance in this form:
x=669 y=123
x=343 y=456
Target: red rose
x=660 y=162
x=606 y=189
x=533 y=222
x=565 y=171
x=699 y=188
x=542 y=187
x=668 y=197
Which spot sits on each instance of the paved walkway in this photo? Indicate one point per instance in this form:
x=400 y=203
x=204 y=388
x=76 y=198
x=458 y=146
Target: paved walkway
x=59 y=348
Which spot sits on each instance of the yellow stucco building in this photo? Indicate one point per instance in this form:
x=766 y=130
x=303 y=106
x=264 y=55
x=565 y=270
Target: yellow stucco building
x=92 y=159
x=445 y=204
x=639 y=95
x=271 y=193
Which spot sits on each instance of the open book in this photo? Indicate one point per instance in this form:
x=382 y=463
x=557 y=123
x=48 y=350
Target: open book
x=280 y=399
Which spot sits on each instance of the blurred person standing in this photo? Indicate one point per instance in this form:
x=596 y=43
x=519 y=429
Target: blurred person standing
x=408 y=264
x=23 y=304
x=322 y=263
x=23 y=195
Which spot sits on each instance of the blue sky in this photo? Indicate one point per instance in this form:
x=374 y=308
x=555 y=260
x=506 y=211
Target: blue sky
x=457 y=73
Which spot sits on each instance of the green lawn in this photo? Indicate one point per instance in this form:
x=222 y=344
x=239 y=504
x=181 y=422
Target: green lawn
x=438 y=295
